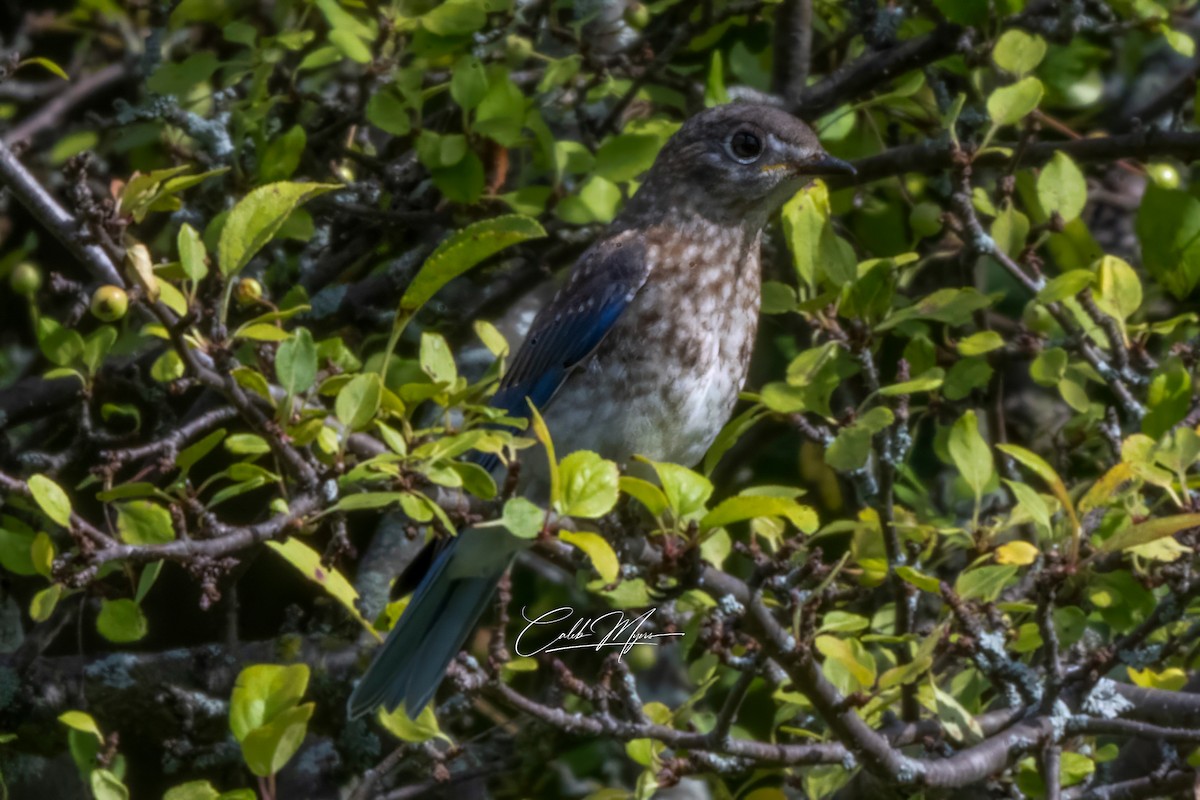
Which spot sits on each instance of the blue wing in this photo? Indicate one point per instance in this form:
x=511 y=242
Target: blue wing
x=573 y=325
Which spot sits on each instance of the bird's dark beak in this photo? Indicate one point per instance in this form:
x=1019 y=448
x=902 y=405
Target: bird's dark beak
x=826 y=164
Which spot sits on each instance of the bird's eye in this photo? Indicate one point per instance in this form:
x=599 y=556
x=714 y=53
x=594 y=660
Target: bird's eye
x=745 y=146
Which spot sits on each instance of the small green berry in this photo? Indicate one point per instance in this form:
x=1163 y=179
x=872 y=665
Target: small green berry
x=109 y=303
x=249 y=291
x=1164 y=174
x=26 y=279
x=925 y=219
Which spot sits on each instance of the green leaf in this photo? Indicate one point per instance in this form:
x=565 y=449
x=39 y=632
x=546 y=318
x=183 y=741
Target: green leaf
x=979 y=343
x=358 y=401
x=262 y=332
x=46 y=64
x=589 y=485
x=180 y=78
x=818 y=252
x=714 y=88
x=262 y=692
x=350 y=46
x=851 y=656
x=522 y=518
x=364 y=501
x=1169 y=397
x=146 y=580
x=16 y=546
x=341 y=19
x=121 y=620
x=422 y=729
x=296 y=362
x=597 y=201
x=598 y=550
x=198 y=450
x=192 y=790
x=143 y=522
x=283 y=154
x=97 y=345
x=970 y=453
x=1061 y=187
x=256 y=219
x=951 y=306
x=1049 y=366
x=1118 y=289
x=686 y=491
x=462 y=250
x=1168 y=229
x=928 y=381
x=984 y=583
x=746 y=507
x=436 y=359
x=455 y=18
x=43 y=603
x=1019 y=52
x=1044 y=471
x=1010 y=104
x=1018 y=552
x=107 y=786
x=626 y=156
x=1149 y=531
x=468 y=82
x=41 y=554
x=1032 y=503
x=1010 y=230
x=51 y=498
x=308 y=562
x=390 y=112
x=542 y=434
x=1066 y=285
x=646 y=493
x=167 y=367
x=918 y=579
x=267 y=748
x=82 y=722
x=852 y=445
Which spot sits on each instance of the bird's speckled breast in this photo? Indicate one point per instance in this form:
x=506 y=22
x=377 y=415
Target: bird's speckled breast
x=667 y=377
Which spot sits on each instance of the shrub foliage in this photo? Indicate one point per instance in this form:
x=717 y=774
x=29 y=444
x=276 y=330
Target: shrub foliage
x=948 y=541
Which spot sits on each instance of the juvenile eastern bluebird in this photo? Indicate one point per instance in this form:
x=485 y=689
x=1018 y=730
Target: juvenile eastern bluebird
x=642 y=351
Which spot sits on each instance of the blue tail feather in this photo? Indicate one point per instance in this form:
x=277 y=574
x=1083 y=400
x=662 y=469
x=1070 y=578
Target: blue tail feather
x=439 y=618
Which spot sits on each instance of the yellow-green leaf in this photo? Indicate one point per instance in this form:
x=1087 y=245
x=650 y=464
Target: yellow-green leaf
x=1148 y=531
x=589 y=485
x=82 y=722
x=1010 y=104
x=308 y=561
x=51 y=498
x=257 y=217
x=598 y=550
x=1020 y=553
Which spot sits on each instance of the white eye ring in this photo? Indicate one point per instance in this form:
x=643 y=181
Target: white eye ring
x=744 y=146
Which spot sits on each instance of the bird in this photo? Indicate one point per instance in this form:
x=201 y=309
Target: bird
x=642 y=352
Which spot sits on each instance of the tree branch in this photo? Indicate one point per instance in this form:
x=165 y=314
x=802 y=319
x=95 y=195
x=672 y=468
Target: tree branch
x=54 y=218
x=867 y=73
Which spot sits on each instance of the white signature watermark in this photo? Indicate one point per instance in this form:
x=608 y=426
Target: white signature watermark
x=613 y=629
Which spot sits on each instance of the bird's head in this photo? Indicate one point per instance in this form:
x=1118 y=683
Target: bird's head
x=740 y=161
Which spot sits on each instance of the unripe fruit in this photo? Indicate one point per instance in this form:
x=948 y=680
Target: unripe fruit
x=637 y=15
x=249 y=291
x=517 y=48
x=26 y=279
x=925 y=219
x=109 y=303
x=1165 y=175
